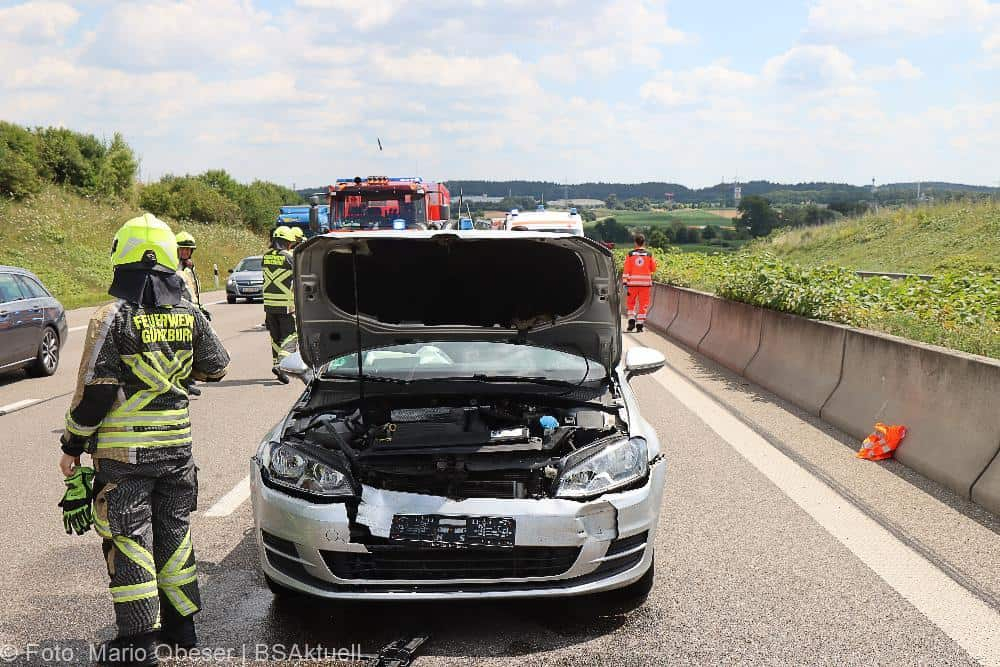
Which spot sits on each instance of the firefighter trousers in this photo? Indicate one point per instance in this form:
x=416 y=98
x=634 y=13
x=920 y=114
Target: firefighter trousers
x=284 y=339
x=638 y=303
x=142 y=511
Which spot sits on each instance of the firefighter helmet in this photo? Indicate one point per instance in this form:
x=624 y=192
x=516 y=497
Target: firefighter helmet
x=284 y=233
x=298 y=233
x=145 y=240
x=185 y=240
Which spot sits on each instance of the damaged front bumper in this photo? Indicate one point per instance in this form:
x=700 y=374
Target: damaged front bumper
x=561 y=547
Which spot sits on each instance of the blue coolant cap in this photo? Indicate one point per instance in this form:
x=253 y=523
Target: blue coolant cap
x=548 y=422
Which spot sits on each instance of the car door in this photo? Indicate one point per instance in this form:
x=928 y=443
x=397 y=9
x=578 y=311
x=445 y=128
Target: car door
x=36 y=300
x=15 y=325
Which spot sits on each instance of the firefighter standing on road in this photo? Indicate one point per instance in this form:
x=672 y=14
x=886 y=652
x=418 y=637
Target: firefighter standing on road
x=638 y=279
x=185 y=269
x=279 y=299
x=130 y=412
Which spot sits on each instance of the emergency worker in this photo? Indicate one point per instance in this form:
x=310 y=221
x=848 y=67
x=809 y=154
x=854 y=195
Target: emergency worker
x=637 y=276
x=298 y=234
x=185 y=269
x=279 y=299
x=130 y=413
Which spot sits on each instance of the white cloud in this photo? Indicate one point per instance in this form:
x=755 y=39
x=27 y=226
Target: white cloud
x=33 y=21
x=850 y=20
x=701 y=85
x=810 y=67
x=361 y=15
x=901 y=70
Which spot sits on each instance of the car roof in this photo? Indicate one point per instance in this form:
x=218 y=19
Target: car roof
x=15 y=269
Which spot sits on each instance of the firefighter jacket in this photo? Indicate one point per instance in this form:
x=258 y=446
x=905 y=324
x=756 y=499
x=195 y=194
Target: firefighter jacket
x=131 y=404
x=190 y=276
x=278 y=295
x=639 y=268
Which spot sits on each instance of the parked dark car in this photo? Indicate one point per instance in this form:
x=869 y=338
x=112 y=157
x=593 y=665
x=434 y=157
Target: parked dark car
x=246 y=281
x=32 y=324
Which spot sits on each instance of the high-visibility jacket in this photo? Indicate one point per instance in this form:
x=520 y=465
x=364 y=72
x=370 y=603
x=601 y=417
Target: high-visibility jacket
x=190 y=277
x=131 y=404
x=278 y=295
x=639 y=268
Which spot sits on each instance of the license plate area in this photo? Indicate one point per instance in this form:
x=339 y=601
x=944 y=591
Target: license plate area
x=251 y=290
x=437 y=530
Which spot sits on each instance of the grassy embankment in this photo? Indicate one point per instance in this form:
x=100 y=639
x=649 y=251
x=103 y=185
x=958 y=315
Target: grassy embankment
x=810 y=272
x=66 y=240
x=689 y=216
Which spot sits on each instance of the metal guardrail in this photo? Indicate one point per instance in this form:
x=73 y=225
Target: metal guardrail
x=894 y=276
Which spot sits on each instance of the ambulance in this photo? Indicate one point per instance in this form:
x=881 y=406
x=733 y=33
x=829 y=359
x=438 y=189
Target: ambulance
x=540 y=220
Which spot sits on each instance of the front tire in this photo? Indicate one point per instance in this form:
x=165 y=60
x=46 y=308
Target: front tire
x=47 y=361
x=230 y=298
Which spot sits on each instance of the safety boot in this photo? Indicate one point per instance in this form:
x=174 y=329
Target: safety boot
x=631 y=326
x=179 y=634
x=280 y=374
x=639 y=327
x=133 y=651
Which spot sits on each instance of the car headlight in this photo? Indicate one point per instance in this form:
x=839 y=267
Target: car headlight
x=295 y=469
x=231 y=281
x=601 y=468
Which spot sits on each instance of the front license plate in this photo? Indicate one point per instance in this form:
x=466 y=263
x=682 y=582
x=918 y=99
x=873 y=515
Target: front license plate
x=251 y=290
x=453 y=531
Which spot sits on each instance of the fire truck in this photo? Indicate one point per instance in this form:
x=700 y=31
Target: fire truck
x=381 y=202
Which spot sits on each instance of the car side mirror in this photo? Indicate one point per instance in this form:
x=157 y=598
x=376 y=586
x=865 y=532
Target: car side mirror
x=293 y=365
x=229 y=271
x=643 y=361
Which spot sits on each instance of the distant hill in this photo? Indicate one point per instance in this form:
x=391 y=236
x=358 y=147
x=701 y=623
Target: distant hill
x=722 y=193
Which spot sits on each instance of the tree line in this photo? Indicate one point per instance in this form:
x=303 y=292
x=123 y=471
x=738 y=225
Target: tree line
x=30 y=158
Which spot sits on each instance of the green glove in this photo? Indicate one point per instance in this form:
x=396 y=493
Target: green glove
x=77 y=513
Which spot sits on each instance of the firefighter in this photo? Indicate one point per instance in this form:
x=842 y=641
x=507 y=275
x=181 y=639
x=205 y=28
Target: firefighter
x=299 y=235
x=637 y=277
x=279 y=299
x=130 y=413
x=185 y=269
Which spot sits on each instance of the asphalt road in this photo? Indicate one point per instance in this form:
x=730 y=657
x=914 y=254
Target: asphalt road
x=776 y=545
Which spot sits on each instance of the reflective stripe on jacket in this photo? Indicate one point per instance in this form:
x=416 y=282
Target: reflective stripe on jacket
x=640 y=265
x=278 y=294
x=130 y=395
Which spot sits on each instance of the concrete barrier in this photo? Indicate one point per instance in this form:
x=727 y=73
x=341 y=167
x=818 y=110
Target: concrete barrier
x=664 y=307
x=734 y=336
x=798 y=359
x=694 y=316
x=986 y=491
x=947 y=400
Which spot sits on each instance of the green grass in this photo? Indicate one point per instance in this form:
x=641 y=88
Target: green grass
x=687 y=216
x=66 y=240
x=928 y=239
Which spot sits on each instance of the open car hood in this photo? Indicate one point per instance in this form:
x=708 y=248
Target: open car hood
x=551 y=290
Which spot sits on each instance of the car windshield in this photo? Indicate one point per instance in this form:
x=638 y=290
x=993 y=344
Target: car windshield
x=251 y=264
x=380 y=212
x=468 y=360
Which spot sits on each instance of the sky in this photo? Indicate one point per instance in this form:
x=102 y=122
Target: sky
x=299 y=92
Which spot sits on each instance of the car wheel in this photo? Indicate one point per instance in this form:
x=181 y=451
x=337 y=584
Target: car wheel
x=47 y=360
x=230 y=298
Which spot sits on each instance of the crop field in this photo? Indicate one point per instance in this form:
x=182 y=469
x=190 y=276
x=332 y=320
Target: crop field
x=688 y=216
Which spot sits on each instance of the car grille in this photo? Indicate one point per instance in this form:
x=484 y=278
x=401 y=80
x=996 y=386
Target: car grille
x=401 y=561
x=249 y=283
x=617 y=557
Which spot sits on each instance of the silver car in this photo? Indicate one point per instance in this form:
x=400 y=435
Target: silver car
x=246 y=281
x=467 y=430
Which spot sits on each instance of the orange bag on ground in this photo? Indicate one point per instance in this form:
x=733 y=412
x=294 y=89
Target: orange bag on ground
x=882 y=442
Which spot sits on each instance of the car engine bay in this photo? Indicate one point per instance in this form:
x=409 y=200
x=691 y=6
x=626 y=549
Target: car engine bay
x=458 y=447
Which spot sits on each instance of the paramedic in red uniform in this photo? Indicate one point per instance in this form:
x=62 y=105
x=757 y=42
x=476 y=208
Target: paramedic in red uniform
x=638 y=279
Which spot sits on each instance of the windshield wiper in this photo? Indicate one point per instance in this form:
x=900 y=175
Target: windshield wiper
x=365 y=377
x=533 y=379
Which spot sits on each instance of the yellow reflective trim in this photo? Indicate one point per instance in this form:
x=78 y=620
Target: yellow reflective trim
x=179 y=557
x=136 y=553
x=76 y=428
x=180 y=602
x=132 y=592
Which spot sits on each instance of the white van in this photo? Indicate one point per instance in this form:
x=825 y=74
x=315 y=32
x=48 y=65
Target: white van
x=562 y=222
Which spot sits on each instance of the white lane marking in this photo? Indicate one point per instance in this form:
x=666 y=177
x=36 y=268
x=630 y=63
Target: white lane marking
x=82 y=326
x=17 y=405
x=228 y=503
x=969 y=621
x=216 y=303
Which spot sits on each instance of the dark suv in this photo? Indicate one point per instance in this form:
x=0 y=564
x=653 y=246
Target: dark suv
x=32 y=323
